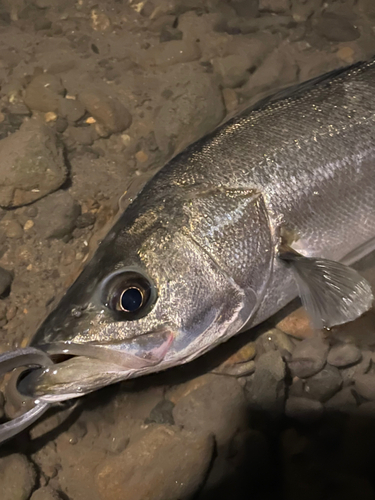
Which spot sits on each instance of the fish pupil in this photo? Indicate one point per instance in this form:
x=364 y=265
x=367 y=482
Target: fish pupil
x=131 y=299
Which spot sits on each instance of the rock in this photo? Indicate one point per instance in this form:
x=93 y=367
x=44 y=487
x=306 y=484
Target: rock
x=85 y=220
x=365 y=385
x=342 y=355
x=230 y=100
x=275 y=339
x=303 y=409
x=363 y=366
x=336 y=28
x=164 y=463
x=71 y=109
x=2 y=404
x=233 y=70
x=324 y=384
x=162 y=413
x=217 y=406
x=367 y=8
x=32 y=165
x=267 y=390
x=240 y=363
x=173 y=52
x=57 y=215
x=82 y=135
x=277 y=6
x=302 y=11
x=169 y=33
x=278 y=69
x=17 y=477
x=43 y=93
x=45 y=493
x=13 y=229
x=245 y=8
x=109 y=112
x=297 y=324
x=344 y=401
x=309 y=357
x=193 y=111
x=6 y=278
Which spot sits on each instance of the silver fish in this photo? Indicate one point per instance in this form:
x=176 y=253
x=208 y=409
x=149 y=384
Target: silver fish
x=273 y=204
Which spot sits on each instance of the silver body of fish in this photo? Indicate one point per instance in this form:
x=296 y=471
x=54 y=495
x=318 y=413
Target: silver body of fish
x=198 y=247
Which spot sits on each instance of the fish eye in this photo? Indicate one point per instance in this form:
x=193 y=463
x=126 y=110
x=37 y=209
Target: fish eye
x=129 y=293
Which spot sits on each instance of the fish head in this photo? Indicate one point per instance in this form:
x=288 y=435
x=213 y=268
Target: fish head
x=151 y=297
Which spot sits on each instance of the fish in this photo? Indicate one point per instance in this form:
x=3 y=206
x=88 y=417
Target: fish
x=278 y=202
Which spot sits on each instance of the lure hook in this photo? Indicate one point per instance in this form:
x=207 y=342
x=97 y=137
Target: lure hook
x=29 y=357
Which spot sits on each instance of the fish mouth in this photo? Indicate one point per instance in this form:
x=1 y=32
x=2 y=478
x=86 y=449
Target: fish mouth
x=82 y=368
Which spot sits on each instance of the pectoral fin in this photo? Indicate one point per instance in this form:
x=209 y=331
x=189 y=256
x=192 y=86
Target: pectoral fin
x=332 y=293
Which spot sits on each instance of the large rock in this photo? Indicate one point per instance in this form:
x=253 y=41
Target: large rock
x=212 y=404
x=31 y=165
x=17 y=477
x=57 y=215
x=267 y=389
x=165 y=463
x=192 y=110
x=309 y=357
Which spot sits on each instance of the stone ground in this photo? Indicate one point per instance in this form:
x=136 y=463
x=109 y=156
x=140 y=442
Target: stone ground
x=96 y=94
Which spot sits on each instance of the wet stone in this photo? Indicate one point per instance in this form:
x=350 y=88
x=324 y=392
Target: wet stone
x=109 y=112
x=17 y=477
x=6 y=279
x=309 y=357
x=365 y=385
x=267 y=390
x=304 y=409
x=32 y=165
x=45 y=493
x=71 y=109
x=43 y=93
x=336 y=28
x=363 y=366
x=343 y=355
x=275 y=339
x=57 y=215
x=233 y=70
x=162 y=413
x=136 y=473
x=344 y=401
x=85 y=220
x=217 y=405
x=324 y=384
x=276 y=6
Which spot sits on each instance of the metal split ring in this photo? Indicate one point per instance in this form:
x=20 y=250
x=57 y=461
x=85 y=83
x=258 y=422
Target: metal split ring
x=28 y=357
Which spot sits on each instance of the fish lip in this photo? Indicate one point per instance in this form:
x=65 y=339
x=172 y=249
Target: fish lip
x=115 y=353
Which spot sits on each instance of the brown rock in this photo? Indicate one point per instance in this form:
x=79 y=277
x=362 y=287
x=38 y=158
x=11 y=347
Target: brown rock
x=17 y=477
x=31 y=165
x=109 y=112
x=164 y=463
x=297 y=324
x=216 y=405
x=43 y=93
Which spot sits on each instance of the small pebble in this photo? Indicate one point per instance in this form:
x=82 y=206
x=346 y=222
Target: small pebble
x=28 y=225
x=309 y=357
x=31 y=211
x=303 y=409
x=324 y=384
x=342 y=355
x=85 y=220
x=13 y=229
x=43 y=93
x=6 y=279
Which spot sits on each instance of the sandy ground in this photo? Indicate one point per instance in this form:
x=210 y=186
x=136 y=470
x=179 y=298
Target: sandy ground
x=94 y=95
